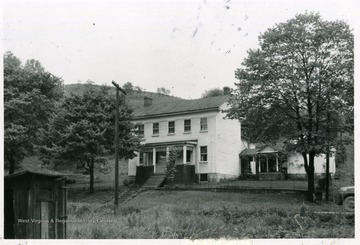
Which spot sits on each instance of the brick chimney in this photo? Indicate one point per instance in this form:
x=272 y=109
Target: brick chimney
x=226 y=90
x=147 y=101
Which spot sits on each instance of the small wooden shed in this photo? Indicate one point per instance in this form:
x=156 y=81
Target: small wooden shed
x=35 y=205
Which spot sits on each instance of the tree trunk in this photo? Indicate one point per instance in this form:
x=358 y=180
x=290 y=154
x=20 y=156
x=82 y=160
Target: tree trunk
x=311 y=177
x=11 y=160
x=91 y=168
x=327 y=183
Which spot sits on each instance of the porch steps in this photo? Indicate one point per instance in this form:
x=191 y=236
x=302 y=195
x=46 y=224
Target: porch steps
x=154 y=181
x=128 y=194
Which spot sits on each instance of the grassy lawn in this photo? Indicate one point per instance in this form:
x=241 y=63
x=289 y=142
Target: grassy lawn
x=201 y=214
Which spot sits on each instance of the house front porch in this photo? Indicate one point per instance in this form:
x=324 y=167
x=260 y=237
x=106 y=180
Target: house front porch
x=153 y=157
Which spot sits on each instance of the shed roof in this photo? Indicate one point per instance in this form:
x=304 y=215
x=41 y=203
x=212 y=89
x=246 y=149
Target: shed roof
x=181 y=107
x=47 y=173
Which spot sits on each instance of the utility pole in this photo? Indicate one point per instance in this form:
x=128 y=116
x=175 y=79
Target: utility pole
x=327 y=170
x=118 y=88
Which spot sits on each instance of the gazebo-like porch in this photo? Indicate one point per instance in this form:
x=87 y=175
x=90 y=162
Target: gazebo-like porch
x=262 y=161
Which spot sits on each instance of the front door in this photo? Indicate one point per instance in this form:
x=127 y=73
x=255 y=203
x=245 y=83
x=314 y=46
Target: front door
x=160 y=162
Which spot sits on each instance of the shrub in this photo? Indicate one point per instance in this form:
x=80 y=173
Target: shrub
x=97 y=233
x=124 y=211
x=196 y=222
x=273 y=220
x=81 y=209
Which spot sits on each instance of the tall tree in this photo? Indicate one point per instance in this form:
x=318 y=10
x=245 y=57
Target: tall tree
x=83 y=129
x=128 y=87
x=212 y=92
x=163 y=91
x=298 y=84
x=30 y=95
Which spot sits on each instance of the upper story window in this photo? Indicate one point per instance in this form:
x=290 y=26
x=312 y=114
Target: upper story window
x=187 y=125
x=155 y=128
x=203 y=154
x=171 y=127
x=203 y=124
x=141 y=130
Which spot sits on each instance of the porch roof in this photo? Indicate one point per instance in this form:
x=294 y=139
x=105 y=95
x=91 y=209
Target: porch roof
x=259 y=150
x=164 y=144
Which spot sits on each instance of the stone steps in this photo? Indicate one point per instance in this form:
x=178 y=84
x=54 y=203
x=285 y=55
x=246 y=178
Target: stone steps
x=154 y=181
x=128 y=194
x=131 y=192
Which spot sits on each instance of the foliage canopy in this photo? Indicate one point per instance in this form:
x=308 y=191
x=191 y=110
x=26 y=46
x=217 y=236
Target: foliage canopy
x=212 y=93
x=30 y=97
x=298 y=84
x=83 y=129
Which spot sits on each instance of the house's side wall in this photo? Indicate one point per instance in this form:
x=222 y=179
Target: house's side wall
x=296 y=164
x=206 y=138
x=228 y=146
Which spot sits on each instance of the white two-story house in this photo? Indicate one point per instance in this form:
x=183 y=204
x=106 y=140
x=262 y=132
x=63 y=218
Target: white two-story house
x=207 y=142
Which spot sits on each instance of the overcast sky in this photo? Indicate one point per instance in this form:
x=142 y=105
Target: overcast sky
x=185 y=46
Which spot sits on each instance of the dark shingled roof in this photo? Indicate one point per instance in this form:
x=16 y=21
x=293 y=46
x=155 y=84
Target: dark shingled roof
x=181 y=107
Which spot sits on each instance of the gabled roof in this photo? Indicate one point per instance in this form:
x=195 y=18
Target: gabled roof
x=181 y=107
x=263 y=149
x=47 y=173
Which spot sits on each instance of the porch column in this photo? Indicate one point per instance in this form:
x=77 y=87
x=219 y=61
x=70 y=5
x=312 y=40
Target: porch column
x=145 y=160
x=267 y=163
x=167 y=153
x=154 y=159
x=193 y=155
x=184 y=154
x=259 y=164
x=253 y=170
x=138 y=162
x=277 y=163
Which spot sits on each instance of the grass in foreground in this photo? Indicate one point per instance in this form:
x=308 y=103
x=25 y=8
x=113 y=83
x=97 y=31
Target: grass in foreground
x=201 y=215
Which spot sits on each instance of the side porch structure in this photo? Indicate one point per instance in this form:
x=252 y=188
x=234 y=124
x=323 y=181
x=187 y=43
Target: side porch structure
x=262 y=161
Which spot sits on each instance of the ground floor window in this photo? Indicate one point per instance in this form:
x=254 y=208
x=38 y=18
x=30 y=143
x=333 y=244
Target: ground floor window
x=203 y=154
x=203 y=177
